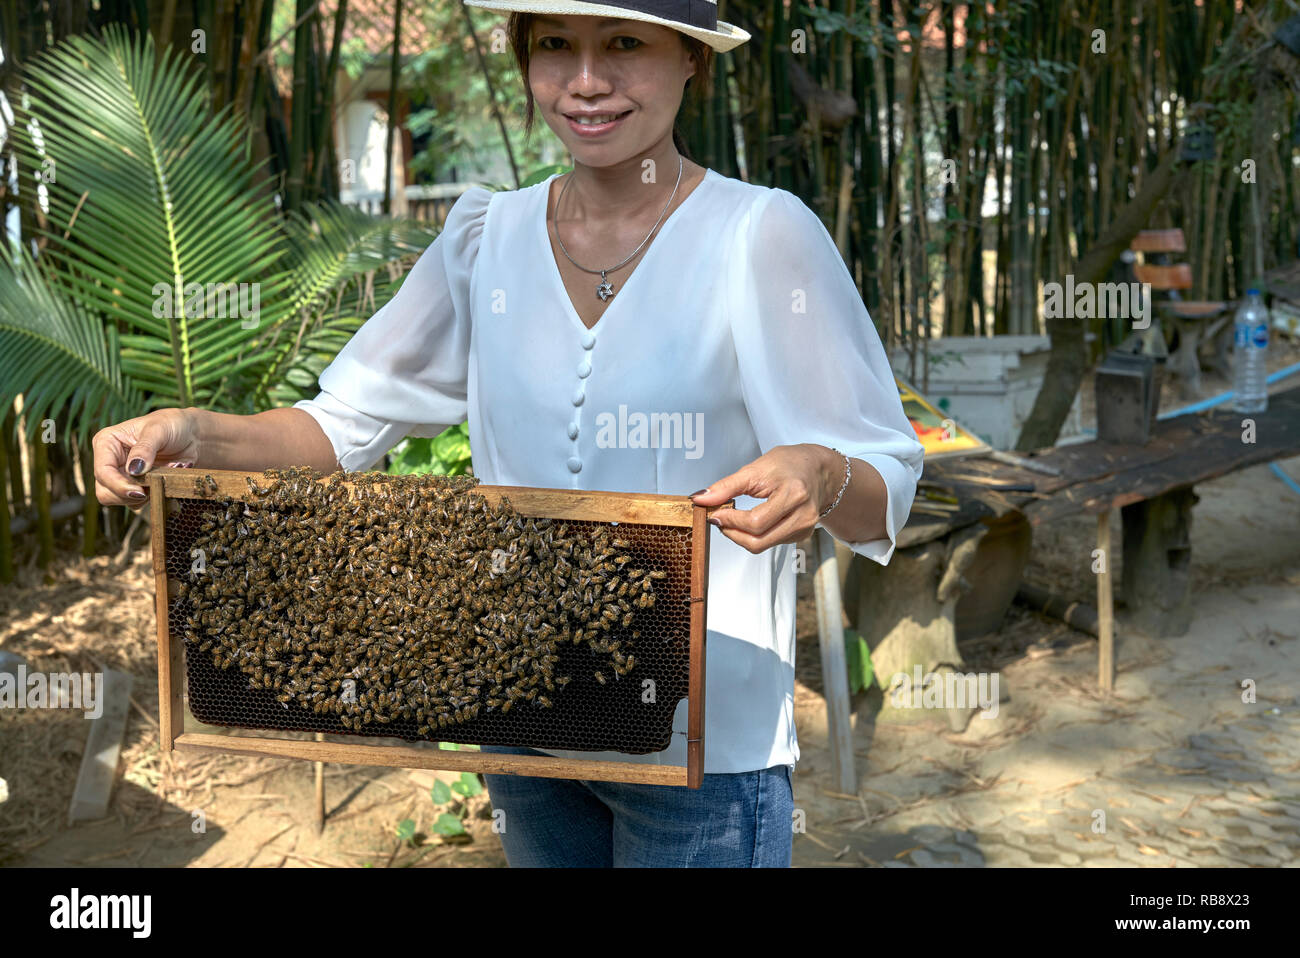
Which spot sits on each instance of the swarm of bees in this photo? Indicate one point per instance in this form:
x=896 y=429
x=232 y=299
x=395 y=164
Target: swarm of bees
x=406 y=597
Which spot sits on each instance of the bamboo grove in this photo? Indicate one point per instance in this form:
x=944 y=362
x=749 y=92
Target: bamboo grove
x=961 y=154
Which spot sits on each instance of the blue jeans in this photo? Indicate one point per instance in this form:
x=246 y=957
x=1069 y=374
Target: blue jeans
x=731 y=821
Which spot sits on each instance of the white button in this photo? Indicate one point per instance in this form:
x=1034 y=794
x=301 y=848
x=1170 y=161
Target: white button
x=578 y=396
x=584 y=369
x=588 y=340
x=575 y=464
x=573 y=430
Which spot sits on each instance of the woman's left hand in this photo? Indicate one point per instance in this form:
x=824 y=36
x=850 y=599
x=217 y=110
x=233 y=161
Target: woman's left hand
x=797 y=482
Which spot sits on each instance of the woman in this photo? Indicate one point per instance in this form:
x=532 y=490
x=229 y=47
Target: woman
x=639 y=288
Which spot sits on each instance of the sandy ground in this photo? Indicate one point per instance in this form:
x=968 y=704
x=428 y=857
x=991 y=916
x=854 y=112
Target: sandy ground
x=1054 y=755
x=1026 y=786
x=1056 y=735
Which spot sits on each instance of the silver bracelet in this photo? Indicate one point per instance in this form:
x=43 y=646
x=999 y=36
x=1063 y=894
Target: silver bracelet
x=848 y=474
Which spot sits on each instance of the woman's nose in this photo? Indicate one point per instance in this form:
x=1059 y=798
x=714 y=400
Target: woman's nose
x=591 y=75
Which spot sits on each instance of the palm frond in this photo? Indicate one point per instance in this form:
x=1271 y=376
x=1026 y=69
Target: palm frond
x=348 y=264
x=159 y=207
x=60 y=357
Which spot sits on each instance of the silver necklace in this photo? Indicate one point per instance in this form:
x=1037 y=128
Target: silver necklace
x=605 y=289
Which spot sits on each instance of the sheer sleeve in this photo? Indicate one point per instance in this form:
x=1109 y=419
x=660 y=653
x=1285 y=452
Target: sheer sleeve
x=811 y=363
x=405 y=371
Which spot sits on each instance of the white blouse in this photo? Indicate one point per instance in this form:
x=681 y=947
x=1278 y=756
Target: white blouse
x=741 y=319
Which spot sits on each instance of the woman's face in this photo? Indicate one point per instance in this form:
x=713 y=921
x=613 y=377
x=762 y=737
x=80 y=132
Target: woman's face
x=582 y=64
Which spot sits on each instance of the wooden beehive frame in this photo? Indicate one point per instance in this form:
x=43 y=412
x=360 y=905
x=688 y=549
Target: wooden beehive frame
x=559 y=504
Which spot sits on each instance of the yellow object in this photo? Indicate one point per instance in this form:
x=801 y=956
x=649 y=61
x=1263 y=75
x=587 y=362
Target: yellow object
x=939 y=433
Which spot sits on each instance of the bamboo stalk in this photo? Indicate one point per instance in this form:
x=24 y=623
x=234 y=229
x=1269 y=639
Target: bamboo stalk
x=90 y=509
x=6 y=539
x=394 y=72
x=299 y=134
x=17 y=480
x=41 y=498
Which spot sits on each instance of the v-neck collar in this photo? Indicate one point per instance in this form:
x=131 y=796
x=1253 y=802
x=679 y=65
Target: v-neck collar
x=554 y=267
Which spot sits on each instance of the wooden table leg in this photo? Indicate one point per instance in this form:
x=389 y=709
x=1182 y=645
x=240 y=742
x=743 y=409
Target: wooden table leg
x=1157 y=551
x=1105 y=609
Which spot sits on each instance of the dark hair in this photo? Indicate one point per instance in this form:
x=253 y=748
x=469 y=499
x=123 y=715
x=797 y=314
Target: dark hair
x=519 y=30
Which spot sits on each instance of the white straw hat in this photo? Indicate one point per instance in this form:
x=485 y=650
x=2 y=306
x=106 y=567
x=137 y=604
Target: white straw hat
x=696 y=18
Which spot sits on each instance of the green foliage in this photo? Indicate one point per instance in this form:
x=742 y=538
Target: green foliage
x=452 y=103
x=450 y=824
x=406 y=831
x=861 y=673
x=447 y=454
x=467 y=786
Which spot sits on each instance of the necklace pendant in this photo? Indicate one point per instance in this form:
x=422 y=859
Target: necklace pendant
x=604 y=289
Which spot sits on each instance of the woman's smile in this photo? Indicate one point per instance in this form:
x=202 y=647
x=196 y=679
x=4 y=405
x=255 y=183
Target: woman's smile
x=586 y=124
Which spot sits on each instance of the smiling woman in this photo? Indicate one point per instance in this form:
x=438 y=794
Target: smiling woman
x=528 y=31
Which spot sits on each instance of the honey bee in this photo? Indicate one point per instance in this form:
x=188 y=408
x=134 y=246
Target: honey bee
x=385 y=581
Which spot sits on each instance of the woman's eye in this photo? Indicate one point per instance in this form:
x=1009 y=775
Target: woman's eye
x=542 y=42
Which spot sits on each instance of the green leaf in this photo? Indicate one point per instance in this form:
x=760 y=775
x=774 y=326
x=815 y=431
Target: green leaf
x=405 y=830
x=447 y=454
x=467 y=785
x=448 y=824
x=441 y=793
x=858 y=655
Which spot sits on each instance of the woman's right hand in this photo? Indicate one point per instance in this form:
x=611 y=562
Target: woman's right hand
x=166 y=437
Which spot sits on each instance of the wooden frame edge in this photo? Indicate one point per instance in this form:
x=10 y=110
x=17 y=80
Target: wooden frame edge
x=451 y=760
x=171 y=712
x=699 y=603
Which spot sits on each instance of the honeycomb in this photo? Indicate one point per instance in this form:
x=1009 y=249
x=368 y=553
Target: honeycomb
x=585 y=715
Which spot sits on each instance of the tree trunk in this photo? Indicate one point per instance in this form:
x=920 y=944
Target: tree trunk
x=1065 y=365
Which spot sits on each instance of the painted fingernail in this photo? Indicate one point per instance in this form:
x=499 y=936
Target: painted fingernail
x=135 y=467
x=134 y=494
x=713 y=520
x=700 y=492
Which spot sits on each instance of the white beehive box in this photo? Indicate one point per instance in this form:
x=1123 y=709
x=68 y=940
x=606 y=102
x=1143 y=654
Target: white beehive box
x=987 y=383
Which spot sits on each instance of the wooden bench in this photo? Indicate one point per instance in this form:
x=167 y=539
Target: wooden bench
x=1152 y=484
x=1196 y=322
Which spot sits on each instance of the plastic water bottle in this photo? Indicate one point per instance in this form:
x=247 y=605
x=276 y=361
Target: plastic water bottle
x=1250 y=350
